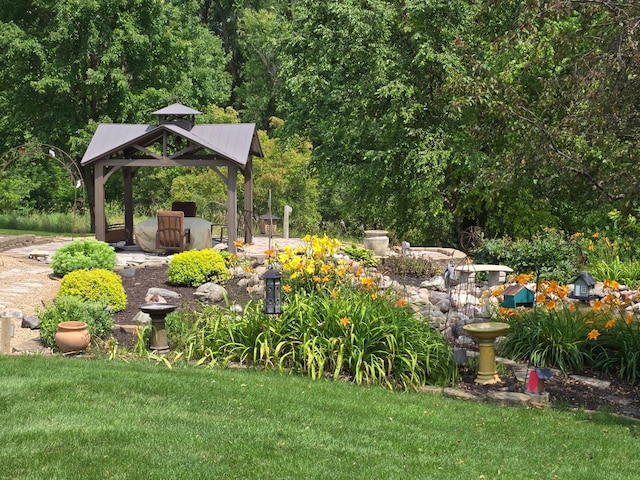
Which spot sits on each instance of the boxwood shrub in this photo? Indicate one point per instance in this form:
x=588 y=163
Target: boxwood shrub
x=96 y=285
x=83 y=254
x=195 y=267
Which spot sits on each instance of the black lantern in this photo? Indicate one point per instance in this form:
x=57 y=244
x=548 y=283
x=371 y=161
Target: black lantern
x=272 y=300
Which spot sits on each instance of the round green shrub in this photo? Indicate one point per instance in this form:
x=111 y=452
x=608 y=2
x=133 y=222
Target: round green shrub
x=83 y=254
x=64 y=309
x=195 y=267
x=96 y=285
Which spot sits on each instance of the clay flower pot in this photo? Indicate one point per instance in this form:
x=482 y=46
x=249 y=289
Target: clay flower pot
x=72 y=337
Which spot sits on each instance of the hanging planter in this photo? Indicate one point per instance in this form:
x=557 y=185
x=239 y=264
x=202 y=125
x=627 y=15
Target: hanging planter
x=72 y=337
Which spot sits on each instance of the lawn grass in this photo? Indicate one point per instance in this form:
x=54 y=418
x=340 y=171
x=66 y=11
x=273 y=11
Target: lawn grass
x=77 y=418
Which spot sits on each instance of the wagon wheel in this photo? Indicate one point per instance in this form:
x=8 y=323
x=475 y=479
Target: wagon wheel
x=471 y=238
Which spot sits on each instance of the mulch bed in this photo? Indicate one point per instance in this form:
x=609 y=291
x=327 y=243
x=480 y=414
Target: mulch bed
x=564 y=391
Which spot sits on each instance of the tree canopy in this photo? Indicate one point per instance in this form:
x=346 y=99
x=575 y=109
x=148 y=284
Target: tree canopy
x=420 y=117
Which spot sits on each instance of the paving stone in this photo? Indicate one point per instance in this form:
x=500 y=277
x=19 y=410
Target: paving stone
x=538 y=398
x=509 y=398
x=594 y=382
x=431 y=389
x=462 y=394
x=619 y=400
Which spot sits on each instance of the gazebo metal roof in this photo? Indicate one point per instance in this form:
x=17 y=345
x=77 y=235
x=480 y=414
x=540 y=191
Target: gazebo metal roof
x=175 y=141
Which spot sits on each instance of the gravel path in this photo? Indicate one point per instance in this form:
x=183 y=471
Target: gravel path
x=26 y=285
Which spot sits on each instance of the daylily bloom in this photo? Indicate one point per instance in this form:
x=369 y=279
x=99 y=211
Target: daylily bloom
x=286 y=288
x=593 y=334
x=238 y=243
x=344 y=321
x=401 y=302
x=609 y=324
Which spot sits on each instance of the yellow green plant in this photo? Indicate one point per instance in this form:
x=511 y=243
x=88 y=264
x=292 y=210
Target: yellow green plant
x=95 y=285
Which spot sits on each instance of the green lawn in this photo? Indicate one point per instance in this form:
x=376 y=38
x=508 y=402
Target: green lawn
x=68 y=418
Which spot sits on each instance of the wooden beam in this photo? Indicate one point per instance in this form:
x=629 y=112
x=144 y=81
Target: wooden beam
x=5 y=335
x=98 y=185
x=128 y=202
x=232 y=207
x=248 y=201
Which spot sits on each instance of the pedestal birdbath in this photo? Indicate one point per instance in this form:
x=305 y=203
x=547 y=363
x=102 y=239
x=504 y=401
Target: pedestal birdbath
x=158 y=312
x=486 y=334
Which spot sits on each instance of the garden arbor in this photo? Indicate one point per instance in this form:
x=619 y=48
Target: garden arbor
x=176 y=140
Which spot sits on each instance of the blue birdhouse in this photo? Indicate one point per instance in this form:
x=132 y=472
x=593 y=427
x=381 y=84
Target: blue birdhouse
x=517 y=296
x=582 y=286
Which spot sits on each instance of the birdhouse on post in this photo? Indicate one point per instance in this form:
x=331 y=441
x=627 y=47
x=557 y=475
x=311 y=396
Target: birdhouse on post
x=517 y=296
x=582 y=286
x=537 y=378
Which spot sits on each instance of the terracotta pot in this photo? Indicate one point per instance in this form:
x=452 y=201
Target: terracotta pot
x=72 y=336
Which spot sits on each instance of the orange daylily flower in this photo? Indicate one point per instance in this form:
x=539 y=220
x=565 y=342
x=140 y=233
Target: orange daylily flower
x=401 y=302
x=238 y=243
x=551 y=305
x=595 y=235
x=286 y=288
x=344 y=321
x=572 y=307
x=498 y=291
x=541 y=297
x=316 y=278
x=628 y=319
x=334 y=294
x=270 y=252
x=593 y=334
x=612 y=284
x=596 y=305
x=609 y=324
x=507 y=312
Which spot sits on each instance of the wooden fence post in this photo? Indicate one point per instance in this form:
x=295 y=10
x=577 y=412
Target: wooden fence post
x=5 y=335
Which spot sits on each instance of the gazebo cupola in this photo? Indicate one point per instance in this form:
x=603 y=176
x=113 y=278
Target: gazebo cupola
x=177 y=114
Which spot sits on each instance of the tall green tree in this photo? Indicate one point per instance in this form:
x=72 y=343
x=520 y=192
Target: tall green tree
x=66 y=65
x=366 y=80
x=552 y=105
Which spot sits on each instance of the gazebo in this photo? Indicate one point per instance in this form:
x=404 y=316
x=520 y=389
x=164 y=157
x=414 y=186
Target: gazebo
x=176 y=140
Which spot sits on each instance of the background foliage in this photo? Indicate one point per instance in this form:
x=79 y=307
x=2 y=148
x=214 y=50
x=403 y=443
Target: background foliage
x=423 y=118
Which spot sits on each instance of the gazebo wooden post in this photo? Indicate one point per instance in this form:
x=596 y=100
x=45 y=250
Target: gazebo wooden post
x=232 y=206
x=248 y=202
x=98 y=185
x=127 y=173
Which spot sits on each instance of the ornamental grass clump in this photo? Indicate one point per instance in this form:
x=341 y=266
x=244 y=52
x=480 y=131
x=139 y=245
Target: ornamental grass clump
x=83 y=254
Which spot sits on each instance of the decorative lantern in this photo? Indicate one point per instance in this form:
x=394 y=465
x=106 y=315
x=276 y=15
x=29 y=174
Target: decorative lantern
x=272 y=301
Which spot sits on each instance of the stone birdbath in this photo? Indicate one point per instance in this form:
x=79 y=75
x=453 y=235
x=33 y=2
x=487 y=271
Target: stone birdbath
x=158 y=312
x=486 y=334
